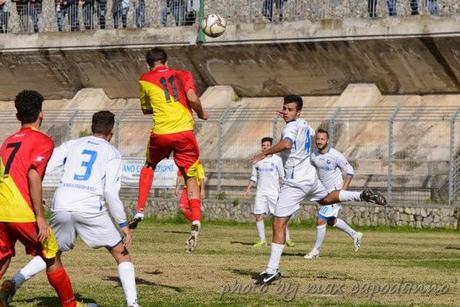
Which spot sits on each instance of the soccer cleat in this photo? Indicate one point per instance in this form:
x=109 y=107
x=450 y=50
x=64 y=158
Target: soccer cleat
x=133 y=224
x=260 y=243
x=373 y=197
x=290 y=243
x=192 y=240
x=313 y=254
x=357 y=241
x=266 y=278
x=7 y=292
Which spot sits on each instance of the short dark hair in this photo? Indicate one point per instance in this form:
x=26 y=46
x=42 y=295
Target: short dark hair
x=267 y=139
x=321 y=130
x=28 y=104
x=156 y=55
x=294 y=98
x=103 y=122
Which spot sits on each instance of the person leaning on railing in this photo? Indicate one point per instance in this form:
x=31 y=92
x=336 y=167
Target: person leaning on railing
x=432 y=6
x=24 y=8
x=4 y=15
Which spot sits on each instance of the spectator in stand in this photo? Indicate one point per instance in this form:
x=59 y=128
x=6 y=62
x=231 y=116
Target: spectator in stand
x=120 y=8
x=35 y=11
x=267 y=9
x=88 y=13
x=69 y=9
x=432 y=6
x=4 y=14
x=139 y=8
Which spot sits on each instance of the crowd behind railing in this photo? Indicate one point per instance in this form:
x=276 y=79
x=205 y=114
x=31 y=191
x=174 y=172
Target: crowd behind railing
x=19 y=16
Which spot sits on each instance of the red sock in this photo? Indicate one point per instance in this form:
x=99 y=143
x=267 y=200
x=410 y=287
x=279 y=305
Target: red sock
x=61 y=283
x=184 y=205
x=145 y=184
x=195 y=206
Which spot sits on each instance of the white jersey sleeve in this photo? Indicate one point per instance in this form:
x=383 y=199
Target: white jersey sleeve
x=59 y=156
x=254 y=174
x=343 y=164
x=112 y=190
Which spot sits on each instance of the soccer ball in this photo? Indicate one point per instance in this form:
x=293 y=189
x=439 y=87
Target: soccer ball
x=213 y=25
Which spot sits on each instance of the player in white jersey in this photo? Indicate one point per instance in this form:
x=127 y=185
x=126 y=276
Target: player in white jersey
x=267 y=175
x=301 y=181
x=331 y=166
x=90 y=184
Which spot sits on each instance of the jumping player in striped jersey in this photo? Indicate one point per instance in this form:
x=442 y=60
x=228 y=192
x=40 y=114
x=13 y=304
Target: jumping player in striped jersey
x=88 y=191
x=170 y=96
x=331 y=165
x=267 y=175
x=301 y=181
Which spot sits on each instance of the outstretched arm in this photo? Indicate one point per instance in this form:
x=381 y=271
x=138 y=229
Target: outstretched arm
x=278 y=147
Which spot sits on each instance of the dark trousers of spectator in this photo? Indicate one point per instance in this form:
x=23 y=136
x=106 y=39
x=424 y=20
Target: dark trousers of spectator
x=4 y=15
x=178 y=8
x=120 y=11
x=69 y=12
x=269 y=5
x=34 y=9
x=392 y=7
x=140 y=13
x=88 y=13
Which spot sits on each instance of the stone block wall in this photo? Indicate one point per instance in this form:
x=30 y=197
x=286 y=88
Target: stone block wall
x=355 y=214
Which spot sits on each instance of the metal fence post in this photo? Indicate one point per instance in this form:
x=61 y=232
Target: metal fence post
x=331 y=126
x=275 y=129
x=452 y=164
x=390 y=153
x=69 y=126
x=220 y=152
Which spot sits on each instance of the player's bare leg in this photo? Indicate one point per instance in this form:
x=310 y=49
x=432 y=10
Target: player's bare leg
x=125 y=273
x=193 y=189
x=279 y=239
x=343 y=196
x=261 y=231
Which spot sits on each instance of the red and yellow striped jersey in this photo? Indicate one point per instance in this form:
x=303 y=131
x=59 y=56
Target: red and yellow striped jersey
x=26 y=149
x=164 y=91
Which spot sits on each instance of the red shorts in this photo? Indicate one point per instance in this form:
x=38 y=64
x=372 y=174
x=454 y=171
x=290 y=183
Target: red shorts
x=27 y=234
x=183 y=145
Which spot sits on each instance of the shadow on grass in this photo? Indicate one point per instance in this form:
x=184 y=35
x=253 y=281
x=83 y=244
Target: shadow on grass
x=141 y=281
x=242 y=243
x=49 y=301
x=252 y=274
x=177 y=232
x=293 y=254
x=156 y=272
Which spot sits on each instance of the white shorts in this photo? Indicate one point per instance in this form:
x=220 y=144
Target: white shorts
x=265 y=204
x=96 y=230
x=329 y=212
x=292 y=194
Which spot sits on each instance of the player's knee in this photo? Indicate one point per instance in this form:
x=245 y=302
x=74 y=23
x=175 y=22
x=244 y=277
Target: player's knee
x=320 y=222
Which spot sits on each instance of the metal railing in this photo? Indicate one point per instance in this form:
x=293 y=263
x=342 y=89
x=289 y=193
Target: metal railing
x=412 y=154
x=23 y=16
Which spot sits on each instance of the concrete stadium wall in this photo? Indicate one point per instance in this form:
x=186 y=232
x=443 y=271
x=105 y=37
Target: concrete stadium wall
x=355 y=214
x=419 y=54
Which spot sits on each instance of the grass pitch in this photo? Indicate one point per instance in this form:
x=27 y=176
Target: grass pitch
x=394 y=267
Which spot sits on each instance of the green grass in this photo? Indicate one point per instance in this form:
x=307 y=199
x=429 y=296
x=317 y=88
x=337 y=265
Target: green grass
x=221 y=271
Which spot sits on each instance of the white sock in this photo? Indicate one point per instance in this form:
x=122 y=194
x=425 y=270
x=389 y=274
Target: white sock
x=275 y=257
x=261 y=230
x=128 y=281
x=349 y=196
x=320 y=234
x=35 y=266
x=340 y=224
x=288 y=236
